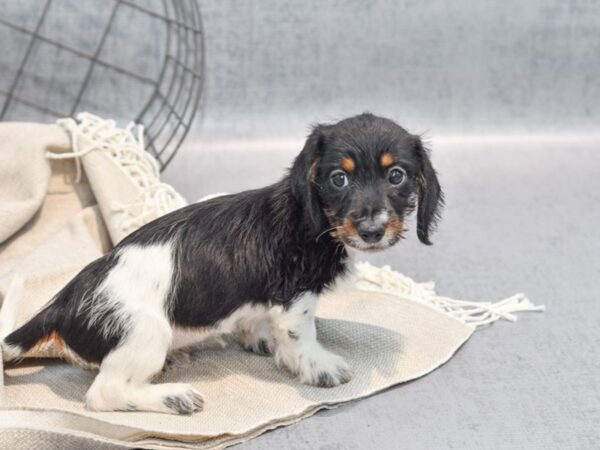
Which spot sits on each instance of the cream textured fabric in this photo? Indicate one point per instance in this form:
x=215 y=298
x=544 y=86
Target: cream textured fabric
x=24 y=173
x=387 y=339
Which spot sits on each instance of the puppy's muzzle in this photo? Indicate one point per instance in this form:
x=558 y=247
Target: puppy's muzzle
x=371 y=231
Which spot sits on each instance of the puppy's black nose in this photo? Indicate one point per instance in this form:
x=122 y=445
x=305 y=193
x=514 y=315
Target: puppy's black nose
x=370 y=232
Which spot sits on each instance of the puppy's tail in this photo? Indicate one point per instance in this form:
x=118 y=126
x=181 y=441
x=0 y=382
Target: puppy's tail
x=16 y=343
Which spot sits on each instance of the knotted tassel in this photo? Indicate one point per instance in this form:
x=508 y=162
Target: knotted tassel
x=478 y=314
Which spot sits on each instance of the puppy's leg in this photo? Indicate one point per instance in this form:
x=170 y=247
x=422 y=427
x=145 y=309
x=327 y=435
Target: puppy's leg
x=298 y=350
x=123 y=382
x=134 y=295
x=256 y=335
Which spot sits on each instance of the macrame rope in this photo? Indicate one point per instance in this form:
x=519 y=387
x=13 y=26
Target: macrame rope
x=384 y=279
x=156 y=198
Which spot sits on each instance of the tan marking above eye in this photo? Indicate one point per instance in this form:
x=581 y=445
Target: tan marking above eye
x=386 y=160
x=348 y=165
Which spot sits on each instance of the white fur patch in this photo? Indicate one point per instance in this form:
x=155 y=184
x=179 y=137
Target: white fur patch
x=137 y=286
x=381 y=219
x=10 y=352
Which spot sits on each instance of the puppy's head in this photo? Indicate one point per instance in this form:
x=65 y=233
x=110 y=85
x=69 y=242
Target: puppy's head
x=361 y=177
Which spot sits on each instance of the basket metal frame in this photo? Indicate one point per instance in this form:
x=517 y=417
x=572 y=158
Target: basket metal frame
x=169 y=111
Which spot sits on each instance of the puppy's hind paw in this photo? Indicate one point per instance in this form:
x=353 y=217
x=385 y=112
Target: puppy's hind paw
x=187 y=402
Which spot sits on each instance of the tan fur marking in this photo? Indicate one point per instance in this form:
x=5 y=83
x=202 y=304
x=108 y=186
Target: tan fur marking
x=386 y=160
x=347 y=230
x=395 y=226
x=53 y=339
x=54 y=346
x=348 y=165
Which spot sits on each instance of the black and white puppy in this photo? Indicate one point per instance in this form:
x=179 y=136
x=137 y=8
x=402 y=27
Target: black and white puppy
x=251 y=264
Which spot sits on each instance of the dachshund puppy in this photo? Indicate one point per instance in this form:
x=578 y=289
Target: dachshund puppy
x=251 y=265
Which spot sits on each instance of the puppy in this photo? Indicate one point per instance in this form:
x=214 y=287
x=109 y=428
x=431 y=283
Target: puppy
x=251 y=265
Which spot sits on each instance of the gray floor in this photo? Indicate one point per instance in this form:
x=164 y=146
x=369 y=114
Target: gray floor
x=519 y=217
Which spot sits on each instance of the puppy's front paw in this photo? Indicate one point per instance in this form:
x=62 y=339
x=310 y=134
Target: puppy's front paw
x=259 y=340
x=263 y=347
x=324 y=369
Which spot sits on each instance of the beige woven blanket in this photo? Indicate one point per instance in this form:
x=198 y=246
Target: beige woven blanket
x=55 y=218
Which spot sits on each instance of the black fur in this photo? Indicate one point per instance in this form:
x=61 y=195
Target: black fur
x=431 y=198
x=262 y=246
x=62 y=315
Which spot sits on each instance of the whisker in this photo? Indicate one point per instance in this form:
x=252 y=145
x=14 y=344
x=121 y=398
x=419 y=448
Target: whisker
x=326 y=231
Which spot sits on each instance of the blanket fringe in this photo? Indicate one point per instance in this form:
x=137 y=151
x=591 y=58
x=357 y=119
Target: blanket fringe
x=478 y=314
x=156 y=198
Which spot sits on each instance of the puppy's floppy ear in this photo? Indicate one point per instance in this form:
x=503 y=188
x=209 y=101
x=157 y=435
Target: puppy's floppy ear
x=431 y=197
x=303 y=177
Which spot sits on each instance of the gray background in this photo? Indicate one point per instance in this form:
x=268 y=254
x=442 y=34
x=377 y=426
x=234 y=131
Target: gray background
x=508 y=94
x=479 y=66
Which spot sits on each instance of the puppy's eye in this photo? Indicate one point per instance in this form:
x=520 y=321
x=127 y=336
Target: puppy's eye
x=339 y=179
x=396 y=175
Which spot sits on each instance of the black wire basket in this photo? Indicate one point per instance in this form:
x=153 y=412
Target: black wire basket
x=121 y=59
